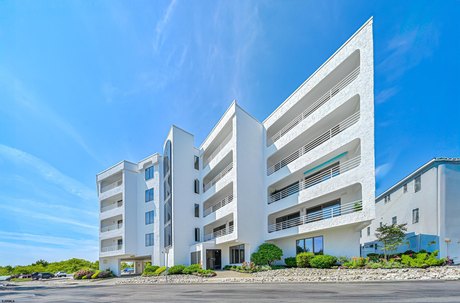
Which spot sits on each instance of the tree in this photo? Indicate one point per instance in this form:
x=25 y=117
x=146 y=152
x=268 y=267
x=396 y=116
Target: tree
x=391 y=236
x=267 y=253
x=41 y=262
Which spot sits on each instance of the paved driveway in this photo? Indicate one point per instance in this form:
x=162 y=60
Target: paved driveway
x=432 y=291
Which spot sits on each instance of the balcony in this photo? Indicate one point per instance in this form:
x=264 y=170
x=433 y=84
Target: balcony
x=111 y=227
x=326 y=136
x=111 y=206
x=219 y=176
x=324 y=98
x=228 y=199
x=111 y=248
x=340 y=210
x=315 y=179
x=220 y=147
x=110 y=186
x=220 y=233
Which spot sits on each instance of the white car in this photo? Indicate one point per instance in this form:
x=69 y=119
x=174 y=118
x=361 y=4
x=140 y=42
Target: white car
x=60 y=274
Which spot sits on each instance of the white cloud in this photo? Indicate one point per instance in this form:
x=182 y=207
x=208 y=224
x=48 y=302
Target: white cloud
x=48 y=172
x=382 y=170
x=386 y=94
x=161 y=24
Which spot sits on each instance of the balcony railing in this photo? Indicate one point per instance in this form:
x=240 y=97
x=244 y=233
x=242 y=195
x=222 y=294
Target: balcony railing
x=217 y=150
x=111 y=206
x=111 y=186
x=219 y=233
x=314 y=143
x=324 y=214
x=111 y=227
x=315 y=179
x=218 y=205
x=112 y=248
x=317 y=104
x=216 y=179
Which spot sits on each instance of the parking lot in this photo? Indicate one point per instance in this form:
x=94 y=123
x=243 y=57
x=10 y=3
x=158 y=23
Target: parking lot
x=432 y=291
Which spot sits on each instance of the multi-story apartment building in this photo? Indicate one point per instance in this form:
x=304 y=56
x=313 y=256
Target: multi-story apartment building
x=302 y=179
x=428 y=201
x=129 y=198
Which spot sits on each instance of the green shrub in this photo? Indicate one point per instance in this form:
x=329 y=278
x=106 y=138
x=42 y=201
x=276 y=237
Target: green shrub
x=176 y=269
x=84 y=277
x=95 y=275
x=356 y=262
x=422 y=260
x=374 y=265
x=266 y=267
x=227 y=267
x=159 y=270
x=303 y=259
x=323 y=261
x=205 y=273
x=105 y=274
x=191 y=269
x=266 y=254
x=373 y=257
x=149 y=270
x=342 y=260
x=290 y=262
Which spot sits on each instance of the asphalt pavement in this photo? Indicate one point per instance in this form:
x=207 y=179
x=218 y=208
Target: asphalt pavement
x=419 y=291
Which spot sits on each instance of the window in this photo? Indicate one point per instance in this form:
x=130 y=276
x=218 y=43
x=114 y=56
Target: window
x=195 y=257
x=197 y=234
x=197 y=210
x=196 y=163
x=149 y=195
x=149 y=217
x=381 y=224
x=368 y=230
x=237 y=254
x=418 y=183
x=197 y=186
x=415 y=216
x=387 y=198
x=149 y=173
x=149 y=239
x=394 y=220
x=314 y=245
x=405 y=188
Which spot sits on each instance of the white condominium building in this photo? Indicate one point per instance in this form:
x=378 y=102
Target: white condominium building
x=303 y=179
x=428 y=201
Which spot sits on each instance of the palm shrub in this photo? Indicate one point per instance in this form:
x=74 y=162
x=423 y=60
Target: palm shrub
x=323 y=261
x=266 y=254
x=290 y=262
x=159 y=270
x=303 y=259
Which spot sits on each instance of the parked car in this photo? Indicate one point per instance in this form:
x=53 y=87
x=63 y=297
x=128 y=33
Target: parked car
x=128 y=270
x=25 y=276
x=43 y=275
x=34 y=275
x=61 y=274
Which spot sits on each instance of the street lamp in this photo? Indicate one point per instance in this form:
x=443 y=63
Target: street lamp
x=447 y=240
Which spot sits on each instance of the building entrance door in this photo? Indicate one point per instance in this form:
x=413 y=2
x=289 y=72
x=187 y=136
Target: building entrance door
x=213 y=259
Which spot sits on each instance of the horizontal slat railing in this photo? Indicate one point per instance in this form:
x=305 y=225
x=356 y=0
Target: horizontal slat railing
x=333 y=212
x=219 y=233
x=218 y=205
x=314 y=143
x=218 y=177
x=111 y=186
x=315 y=179
x=111 y=227
x=317 y=104
x=111 y=248
x=110 y=207
x=217 y=150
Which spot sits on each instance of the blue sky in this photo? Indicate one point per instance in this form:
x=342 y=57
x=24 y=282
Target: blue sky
x=86 y=84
